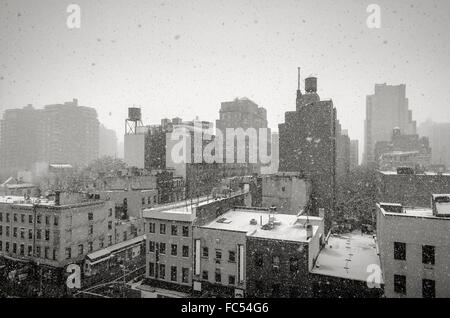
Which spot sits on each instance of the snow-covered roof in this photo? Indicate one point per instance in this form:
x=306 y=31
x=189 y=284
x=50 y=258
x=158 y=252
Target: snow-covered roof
x=351 y=256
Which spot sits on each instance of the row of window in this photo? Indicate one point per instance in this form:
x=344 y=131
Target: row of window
x=173 y=229
x=68 y=252
x=428 y=252
x=23 y=234
x=160 y=272
x=22 y=218
x=29 y=252
x=258 y=260
x=428 y=286
x=218 y=255
x=161 y=248
x=149 y=200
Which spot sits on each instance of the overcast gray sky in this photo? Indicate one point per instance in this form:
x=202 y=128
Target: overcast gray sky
x=182 y=58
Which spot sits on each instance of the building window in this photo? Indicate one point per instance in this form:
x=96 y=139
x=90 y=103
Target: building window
x=125 y=236
x=173 y=273
x=218 y=255
x=30 y=234
x=7 y=247
x=218 y=276
x=47 y=235
x=55 y=220
x=185 y=251
x=232 y=256
x=101 y=243
x=151 y=269
x=185 y=275
x=15 y=217
x=399 y=251
x=22 y=250
x=109 y=239
x=22 y=218
x=38 y=219
x=90 y=216
x=428 y=288
x=7 y=217
x=428 y=254
x=47 y=220
x=30 y=219
x=38 y=234
x=151 y=246
x=46 y=251
x=173 y=249
x=151 y=227
x=185 y=231
x=293 y=264
x=205 y=252
x=1 y=217
x=174 y=230
x=90 y=247
x=259 y=261
x=110 y=212
x=143 y=201
x=55 y=255
x=7 y=231
x=1 y=246
x=80 y=249
x=162 y=271
x=1 y=230
x=205 y=275
x=38 y=251
x=231 y=280
x=162 y=248
x=30 y=250
x=22 y=233
x=400 y=284
x=276 y=262
x=91 y=229
x=162 y=228
x=110 y=225
x=15 y=232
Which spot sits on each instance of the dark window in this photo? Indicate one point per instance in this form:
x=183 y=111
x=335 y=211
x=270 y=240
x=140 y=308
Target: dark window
x=151 y=227
x=15 y=232
x=47 y=235
x=1 y=217
x=55 y=220
x=110 y=225
x=90 y=216
x=232 y=256
x=30 y=234
x=30 y=219
x=428 y=288
x=15 y=248
x=174 y=230
x=38 y=219
x=162 y=271
x=22 y=218
x=162 y=229
x=400 y=284
x=90 y=247
x=399 y=251
x=428 y=254
x=259 y=260
x=91 y=229
x=162 y=248
x=80 y=249
x=218 y=276
x=47 y=219
x=186 y=231
x=7 y=217
x=276 y=262
x=205 y=275
x=151 y=269
x=15 y=217
x=151 y=246
x=173 y=273
x=293 y=264
x=205 y=252
x=173 y=249
x=185 y=251
x=38 y=234
x=218 y=255
x=231 y=280
x=109 y=214
x=22 y=249
x=185 y=275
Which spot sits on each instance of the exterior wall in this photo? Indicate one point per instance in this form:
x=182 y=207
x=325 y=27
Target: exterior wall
x=134 y=153
x=415 y=232
x=131 y=202
x=167 y=259
x=288 y=193
x=411 y=190
x=267 y=281
x=336 y=287
x=225 y=241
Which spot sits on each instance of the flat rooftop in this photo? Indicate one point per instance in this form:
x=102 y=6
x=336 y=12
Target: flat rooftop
x=20 y=200
x=426 y=173
x=420 y=212
x=287 y=227
x=348 y=256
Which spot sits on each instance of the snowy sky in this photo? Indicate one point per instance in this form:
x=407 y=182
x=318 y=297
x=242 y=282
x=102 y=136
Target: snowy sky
x=182 y=58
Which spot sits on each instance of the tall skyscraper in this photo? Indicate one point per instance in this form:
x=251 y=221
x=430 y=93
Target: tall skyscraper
x=385 y=110
x=307 y=144
x=354 y=154
x=439 y=136
x=19 y=140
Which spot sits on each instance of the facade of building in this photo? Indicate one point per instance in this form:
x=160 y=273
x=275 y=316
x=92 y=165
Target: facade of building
x=354 y=154
x=244 y=113
x=308 y=145
x=439 y=135
x=386 y=109
x=409 y=187
x=288 y=192
x=169 y=238
x=414 y=248
x=107 y=142
x=342 y=152
x=255 y=253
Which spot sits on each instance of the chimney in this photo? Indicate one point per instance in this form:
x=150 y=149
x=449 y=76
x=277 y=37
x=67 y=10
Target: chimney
x=57 y=198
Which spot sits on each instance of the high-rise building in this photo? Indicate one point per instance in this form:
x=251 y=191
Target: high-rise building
x=20 y=140
x=385 y=110
x=354 y=154
x=439 y=136
x=244 y=113
x=342 y=151
x=308 y=144
x=107 y=142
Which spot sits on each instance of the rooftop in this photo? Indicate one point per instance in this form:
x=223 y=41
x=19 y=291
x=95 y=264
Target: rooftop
x=347 y=256
x=426 y=173
x=287 y=227
x=418 y=212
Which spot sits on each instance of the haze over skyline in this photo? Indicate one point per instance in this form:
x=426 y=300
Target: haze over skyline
x=182 y=59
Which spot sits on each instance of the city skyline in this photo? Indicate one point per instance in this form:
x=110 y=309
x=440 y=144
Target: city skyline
x=156 y=55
